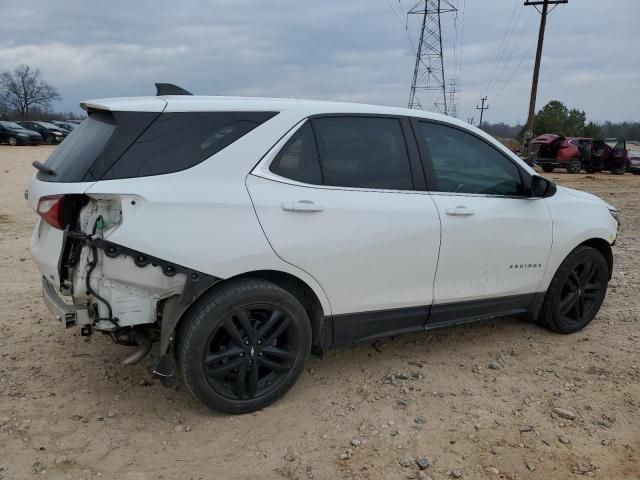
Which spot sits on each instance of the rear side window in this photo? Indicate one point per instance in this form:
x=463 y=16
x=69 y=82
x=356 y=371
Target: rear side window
x=298 y=160
x=112 y=145
x=177 y=141
x=363 y=152
x=77 y=153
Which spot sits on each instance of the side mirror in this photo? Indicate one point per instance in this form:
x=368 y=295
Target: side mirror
x=542 y=187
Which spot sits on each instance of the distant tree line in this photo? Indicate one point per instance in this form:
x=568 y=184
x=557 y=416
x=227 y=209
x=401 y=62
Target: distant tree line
x=556 y=117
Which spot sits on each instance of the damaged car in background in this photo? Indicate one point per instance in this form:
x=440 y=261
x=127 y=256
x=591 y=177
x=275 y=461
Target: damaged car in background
x=577 y=153
x=239 y=235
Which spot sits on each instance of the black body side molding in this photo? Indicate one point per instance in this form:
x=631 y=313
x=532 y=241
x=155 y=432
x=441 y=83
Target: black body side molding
x=357 y=327
x=170 y=89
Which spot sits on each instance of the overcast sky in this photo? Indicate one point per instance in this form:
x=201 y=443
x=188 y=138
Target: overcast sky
x=332 y=49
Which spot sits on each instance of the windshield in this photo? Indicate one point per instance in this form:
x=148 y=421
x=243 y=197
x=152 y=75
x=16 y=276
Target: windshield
x=12 y=125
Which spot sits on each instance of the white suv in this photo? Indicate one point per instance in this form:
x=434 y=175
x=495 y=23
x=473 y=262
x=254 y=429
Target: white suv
x=243 y=233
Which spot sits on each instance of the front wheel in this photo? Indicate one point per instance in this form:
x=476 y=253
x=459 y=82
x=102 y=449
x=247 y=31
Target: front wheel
x=13 y=141
x=244 y=346
x=574 y=165
x=48 y=140
x=576 y=291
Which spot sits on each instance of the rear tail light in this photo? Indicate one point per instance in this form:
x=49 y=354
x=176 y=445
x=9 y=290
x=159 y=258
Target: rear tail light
x=52 y=210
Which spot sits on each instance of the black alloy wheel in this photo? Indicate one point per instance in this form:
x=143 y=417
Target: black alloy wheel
x=581 y=292
x=576 y=292
x=243 y=346
x=251 y=352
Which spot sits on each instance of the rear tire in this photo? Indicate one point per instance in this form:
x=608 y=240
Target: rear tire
x=243 y=346
x=619 y=170
x=548 y=169
x=575 y=164
x=576 y=292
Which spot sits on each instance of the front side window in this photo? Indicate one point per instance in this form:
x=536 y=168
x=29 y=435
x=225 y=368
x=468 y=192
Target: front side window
x=363 y=152
x=464 y=163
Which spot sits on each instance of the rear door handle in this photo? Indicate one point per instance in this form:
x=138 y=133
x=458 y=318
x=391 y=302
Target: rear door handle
x=459 y=211
x=302 y=206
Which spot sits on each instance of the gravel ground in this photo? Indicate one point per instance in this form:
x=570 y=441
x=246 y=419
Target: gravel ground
x=474 y=401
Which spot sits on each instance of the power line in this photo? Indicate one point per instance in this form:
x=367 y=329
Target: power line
x=502 y=53
x=508 y=59
x=502 y=43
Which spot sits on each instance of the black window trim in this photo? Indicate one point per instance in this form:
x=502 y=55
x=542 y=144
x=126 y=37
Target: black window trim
x=429 y=169
x=413 y=155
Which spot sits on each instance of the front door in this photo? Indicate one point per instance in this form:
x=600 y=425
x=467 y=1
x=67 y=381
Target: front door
x=339 y=201
x=495 y=241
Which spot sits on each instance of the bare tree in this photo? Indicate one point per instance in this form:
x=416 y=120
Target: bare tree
x=23 y=89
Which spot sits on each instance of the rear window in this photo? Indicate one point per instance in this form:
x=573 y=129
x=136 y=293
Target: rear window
x=112 y=145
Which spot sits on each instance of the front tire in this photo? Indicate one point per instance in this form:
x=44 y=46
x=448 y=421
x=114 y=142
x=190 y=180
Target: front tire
x=575 y=164
x=13 y=141
x=576 y=291
x=243 y=346
x=48 y=140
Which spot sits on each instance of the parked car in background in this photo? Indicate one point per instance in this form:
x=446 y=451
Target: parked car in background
x=50 y=133
x=75 y=122
x=634 y=159
x=15 y=134
x=602 y=155
x=241 y=233
x=64 y=125
x=552 y=151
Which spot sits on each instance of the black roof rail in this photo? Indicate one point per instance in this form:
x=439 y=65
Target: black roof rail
x=170 y=89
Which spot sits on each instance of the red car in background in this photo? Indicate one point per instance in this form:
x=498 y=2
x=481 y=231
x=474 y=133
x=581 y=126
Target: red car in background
x=610 y=154
x=576 y=153
x=555 y=151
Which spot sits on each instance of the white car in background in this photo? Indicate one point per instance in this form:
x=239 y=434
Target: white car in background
x=243 y=233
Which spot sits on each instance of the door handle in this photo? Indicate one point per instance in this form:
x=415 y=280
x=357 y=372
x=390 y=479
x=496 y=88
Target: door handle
x=302 y=206
x=459 y=211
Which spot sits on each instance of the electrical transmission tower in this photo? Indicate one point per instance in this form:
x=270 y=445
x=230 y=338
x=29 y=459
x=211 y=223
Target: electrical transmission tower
x=428 y=73
x=452 y=108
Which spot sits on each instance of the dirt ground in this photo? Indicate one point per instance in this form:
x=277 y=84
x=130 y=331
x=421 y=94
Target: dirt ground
x=474 y=400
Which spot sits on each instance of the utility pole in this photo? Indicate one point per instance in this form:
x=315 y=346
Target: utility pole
x=536 y=68
x=482 y=109
x=428 y=73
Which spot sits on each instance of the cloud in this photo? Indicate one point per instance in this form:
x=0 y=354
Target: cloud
x=352 y=51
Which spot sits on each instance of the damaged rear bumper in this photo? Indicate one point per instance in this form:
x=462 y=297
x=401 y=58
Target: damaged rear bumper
x=67 y=315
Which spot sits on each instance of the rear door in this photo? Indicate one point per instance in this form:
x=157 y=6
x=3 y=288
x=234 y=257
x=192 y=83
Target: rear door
x=495 y=240
x=344 y=199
